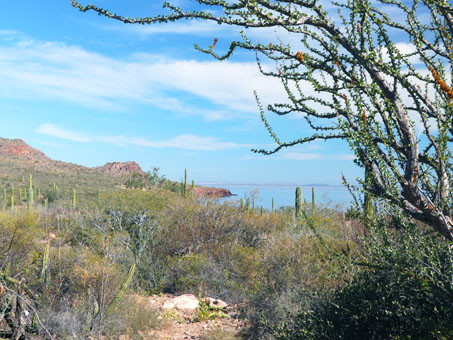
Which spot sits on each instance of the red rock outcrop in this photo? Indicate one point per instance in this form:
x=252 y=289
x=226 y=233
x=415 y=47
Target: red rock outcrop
x=121 y=168
x=212 y=192
x=17 y=147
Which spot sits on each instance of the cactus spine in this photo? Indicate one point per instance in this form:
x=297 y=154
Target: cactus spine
x=313 y=198
x=298 y=203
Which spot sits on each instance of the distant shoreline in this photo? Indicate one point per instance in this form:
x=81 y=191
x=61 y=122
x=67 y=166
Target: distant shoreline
x=220 y=184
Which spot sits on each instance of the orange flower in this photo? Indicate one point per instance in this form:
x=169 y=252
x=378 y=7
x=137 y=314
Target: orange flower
x=215 y=42
x=270 y=46
x=300 y=56
x=345 y=99
x=447 y=89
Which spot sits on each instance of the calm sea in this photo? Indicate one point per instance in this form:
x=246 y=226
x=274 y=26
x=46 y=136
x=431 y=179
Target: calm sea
x=284 y=195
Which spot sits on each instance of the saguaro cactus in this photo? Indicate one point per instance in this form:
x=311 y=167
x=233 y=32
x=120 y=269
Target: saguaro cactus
x=273 y=204
x=184 y=187
x=298 y=203
x=313 y=198
x=74 y=198
x=12 y=198
x=30 y=193
x=242 y=204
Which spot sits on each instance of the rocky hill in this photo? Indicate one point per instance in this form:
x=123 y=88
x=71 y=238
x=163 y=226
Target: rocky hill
x=18 y=148
x=18 y=160
x=121 y=169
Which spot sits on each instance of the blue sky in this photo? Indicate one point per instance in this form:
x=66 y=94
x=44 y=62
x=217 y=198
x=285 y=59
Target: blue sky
x=89 y=90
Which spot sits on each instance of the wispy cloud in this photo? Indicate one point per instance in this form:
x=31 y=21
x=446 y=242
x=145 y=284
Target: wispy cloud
x=37 y=69
x=199 y=28
x=308 y=156
x=54 y=131
x=184 y=142
x=301 y=156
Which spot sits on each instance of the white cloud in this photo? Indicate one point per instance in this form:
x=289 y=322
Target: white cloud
x=190 y=142
x=200 y=28
x=53 y=130
x=185 y=142
x=301 y=156
x=47 y=70
x=404 y=49
x=308 y=156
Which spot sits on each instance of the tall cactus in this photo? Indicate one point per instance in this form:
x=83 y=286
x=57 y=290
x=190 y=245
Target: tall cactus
x=273 y=207
x=123 y=288
x=313 y=198
x=184 y=188
x=247 y=205
x=45 y=264
x=253 y=205
x=74 y=198
x=298 y=203
x=30 y=194
x=193 y=188
x=242 y=204
x=12 y=198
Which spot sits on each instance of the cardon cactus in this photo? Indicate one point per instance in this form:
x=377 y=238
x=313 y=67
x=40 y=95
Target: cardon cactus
x=30 y=194
x=313 y=198
x=298 y=203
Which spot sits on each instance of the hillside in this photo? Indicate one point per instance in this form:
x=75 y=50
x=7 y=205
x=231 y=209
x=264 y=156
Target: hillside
x=18 y=160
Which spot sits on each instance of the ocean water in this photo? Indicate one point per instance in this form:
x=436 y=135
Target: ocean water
x=284 y=195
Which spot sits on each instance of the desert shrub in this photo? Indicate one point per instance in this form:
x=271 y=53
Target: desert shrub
x=196 y=243
x=295 y=264
x=18 y=234
x=403 y=290
x=133 y=318
x=219 y=333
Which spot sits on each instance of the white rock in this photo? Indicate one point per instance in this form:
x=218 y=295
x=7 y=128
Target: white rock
x=185 y=301
x=217 y=303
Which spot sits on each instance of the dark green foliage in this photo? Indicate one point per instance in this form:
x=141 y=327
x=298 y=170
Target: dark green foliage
x=402 y=290
x=135 y=182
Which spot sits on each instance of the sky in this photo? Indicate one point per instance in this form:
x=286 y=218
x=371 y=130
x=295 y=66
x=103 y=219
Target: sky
x=89 y=90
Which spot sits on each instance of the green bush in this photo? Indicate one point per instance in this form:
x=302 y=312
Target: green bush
x=402 y=290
